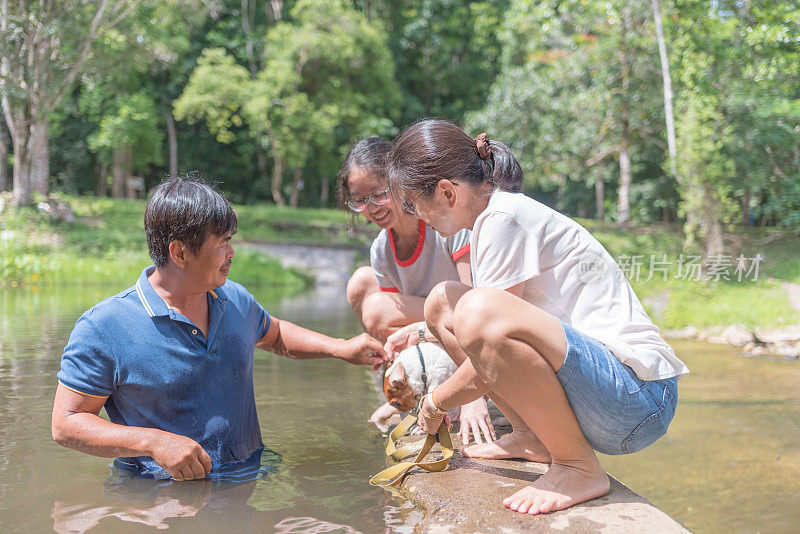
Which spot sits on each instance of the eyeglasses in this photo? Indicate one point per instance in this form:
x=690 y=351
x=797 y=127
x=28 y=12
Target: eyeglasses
x=358 y=204
x=409 y=208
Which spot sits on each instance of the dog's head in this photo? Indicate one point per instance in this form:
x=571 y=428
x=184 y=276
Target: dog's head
x=397 y=389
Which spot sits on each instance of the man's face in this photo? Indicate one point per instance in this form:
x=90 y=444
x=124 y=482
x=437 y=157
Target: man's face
x=210 y=266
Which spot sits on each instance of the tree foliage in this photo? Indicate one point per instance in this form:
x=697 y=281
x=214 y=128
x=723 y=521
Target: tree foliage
x=328 y=78
x=267 y=97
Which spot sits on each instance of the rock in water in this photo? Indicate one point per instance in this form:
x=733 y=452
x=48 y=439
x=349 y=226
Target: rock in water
x=737 y=335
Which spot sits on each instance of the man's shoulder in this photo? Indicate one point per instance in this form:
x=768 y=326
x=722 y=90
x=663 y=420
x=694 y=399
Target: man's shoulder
x=117 y=313
x=115 y=307
x=234 y=293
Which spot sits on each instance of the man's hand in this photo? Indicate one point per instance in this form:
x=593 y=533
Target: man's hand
x=475 y=418
x=181 y=457
x=401 y=339
x=363 y=350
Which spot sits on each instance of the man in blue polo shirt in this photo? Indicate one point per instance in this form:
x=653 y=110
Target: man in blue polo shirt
x=171 y=358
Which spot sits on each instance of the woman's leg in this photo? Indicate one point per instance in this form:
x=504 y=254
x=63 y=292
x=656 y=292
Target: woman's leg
x=383 y=313
x=361 y=284
x=380 y=313
x=521 y=442
x=517 y=349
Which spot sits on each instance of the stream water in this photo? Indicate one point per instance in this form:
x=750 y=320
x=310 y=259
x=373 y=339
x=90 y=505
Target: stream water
x=731 y=461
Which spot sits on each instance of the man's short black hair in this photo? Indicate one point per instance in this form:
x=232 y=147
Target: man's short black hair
x=189 y=210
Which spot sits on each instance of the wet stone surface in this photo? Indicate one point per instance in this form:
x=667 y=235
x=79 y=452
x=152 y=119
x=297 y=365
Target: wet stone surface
x=467 y=497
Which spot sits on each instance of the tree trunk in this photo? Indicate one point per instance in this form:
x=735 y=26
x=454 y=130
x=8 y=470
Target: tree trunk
x=3 y=156
x=121 y=171
x=101 y=183
x=669 y=115
x=712 y=225
x=324 y=194
x=21 y=142
x=599 y=197
x=625 y=173
x=172 y=137
x=298 y=178
x=277 y=9
x=623 y=200
x=561 y=191
x=277 y=178
x=746 y=207
x=40 y=175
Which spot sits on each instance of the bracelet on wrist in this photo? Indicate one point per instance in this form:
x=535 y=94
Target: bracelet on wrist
x=421 y=332
x=436 y=410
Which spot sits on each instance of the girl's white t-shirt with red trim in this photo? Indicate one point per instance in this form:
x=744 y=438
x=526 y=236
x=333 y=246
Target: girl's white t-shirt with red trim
x=433 y=261
x=568 y=274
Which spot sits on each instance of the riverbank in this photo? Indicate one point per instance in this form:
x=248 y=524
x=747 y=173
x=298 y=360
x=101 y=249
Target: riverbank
x=102 y=242
x=756 y=283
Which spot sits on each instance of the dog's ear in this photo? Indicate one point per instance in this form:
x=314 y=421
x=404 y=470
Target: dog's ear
x=397 y=376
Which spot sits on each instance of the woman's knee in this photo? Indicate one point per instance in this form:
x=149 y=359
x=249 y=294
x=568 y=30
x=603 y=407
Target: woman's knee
x=441 y=301
x=375 y=314
x=361 y=284
x=476 y=321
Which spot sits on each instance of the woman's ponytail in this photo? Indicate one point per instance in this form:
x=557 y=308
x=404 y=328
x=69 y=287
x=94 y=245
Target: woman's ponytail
x=506 y=173
x=430 y=150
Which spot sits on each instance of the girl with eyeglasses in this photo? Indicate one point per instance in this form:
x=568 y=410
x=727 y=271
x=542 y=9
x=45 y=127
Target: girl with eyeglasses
x=408 y=258
x=550 y=328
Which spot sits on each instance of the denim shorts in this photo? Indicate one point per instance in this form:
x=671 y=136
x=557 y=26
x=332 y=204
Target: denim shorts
x=617 y=411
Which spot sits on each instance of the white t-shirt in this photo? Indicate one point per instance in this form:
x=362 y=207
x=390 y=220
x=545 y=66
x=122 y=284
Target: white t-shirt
x=433 y=261
x=568 y=274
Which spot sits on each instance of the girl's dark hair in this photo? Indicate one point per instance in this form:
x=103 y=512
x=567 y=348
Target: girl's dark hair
x=369 y=154
x=187 y=209
x=430 y=150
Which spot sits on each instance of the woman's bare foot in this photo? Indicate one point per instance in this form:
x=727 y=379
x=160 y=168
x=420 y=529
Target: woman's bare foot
x=561 y=487
x=517 y=444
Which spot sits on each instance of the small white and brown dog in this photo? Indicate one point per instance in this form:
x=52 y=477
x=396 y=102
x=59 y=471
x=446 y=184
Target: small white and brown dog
x=415 y=371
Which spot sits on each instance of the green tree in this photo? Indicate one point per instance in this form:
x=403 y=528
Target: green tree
x=328 y=79
x=577 y=95
x=446 y=52
x=44 y=46
x=129 y=139
x=737 y=117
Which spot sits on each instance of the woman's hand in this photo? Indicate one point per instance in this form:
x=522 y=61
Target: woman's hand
x=428 y=421
x=401 y=339
x=475 y=419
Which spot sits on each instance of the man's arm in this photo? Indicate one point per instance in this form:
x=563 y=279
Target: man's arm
x=77 y=425
x=292 y=341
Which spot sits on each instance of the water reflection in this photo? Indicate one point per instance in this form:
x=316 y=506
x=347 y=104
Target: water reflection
x=134 y=500
x=310 y=525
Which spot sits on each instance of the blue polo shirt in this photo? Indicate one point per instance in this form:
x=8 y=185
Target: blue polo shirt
x=158 y=370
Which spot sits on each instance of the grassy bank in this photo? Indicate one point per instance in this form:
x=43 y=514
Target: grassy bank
x=106 y=246
x=675 y=298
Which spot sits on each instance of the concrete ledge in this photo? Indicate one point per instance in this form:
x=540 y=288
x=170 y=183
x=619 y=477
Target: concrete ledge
x=467 y=497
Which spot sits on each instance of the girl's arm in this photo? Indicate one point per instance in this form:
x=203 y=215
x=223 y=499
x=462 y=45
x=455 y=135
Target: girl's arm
x=463 y=268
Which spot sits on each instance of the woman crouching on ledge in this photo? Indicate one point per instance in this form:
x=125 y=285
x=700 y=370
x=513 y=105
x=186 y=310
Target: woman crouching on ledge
x=552 y=331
